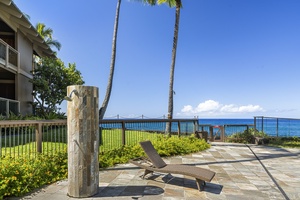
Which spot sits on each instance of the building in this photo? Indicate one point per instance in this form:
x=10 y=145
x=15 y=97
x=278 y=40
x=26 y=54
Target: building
x=19 y=44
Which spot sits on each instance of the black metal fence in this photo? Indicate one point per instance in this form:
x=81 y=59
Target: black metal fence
x=278 y=127
x=221 y=132
x=118 y=132
x=29 y=137
x=22 y=137
x=49 y=136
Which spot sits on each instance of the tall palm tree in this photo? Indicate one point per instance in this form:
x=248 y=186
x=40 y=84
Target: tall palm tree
x=177 y=4
x=46 y=34
x=103 y=108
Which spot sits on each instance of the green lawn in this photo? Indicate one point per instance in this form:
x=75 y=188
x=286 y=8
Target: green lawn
x=109 y=139
x=292 y=142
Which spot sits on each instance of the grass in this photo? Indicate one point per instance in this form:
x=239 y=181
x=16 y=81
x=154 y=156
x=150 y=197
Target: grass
x=30 y=149
x=56 y=137
x=290 y=142
x=112 y=138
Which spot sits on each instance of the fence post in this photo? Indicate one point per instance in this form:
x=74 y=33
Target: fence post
x=83 y=141
x=7 y=109
x=255 y=124
x=178 y=127
x=222 y=136
x=262 y=124
x=277 y=127
x=123 y=133
x=39 y=137
x=211 y=132
x=196 y=126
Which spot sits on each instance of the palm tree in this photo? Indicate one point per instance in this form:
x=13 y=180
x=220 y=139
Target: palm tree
x=103 y=108
x=46 y=34
x=177 y=4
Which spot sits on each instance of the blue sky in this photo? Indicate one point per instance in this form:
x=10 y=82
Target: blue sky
x=235 y=58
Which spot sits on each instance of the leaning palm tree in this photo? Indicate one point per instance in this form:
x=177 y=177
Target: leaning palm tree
x=46 y=34
x=177 y=4
x=103 y=108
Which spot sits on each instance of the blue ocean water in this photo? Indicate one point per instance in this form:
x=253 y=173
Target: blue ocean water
x=225 y=121
x=271 y=126
x=281 y=127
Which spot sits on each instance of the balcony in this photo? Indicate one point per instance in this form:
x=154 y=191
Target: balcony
x=9 y=57
x=8 y=106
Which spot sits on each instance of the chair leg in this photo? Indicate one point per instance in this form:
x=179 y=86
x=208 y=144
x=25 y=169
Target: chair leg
x=200 y=184
x=146 y=172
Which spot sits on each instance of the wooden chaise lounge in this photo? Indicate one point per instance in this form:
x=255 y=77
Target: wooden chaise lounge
x=154 y=163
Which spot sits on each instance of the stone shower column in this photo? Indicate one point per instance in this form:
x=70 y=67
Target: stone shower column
x=83 y=140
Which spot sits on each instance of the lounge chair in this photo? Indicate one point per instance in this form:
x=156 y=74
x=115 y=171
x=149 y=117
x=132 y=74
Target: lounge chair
x=155 y=163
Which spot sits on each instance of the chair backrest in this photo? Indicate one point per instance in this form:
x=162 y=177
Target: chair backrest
x=152 y=154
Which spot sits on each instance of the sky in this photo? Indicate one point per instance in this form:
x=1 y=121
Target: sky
x=235 y=58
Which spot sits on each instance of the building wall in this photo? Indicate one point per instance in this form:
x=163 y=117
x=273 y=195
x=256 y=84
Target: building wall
x=25 y=92
x=23 y=86
x=24 y=46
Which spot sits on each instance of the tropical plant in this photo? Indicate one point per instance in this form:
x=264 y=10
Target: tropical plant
x=247 y=136
x=177 y=4
x=50 y=80
x=46 y=34
x=103 y=108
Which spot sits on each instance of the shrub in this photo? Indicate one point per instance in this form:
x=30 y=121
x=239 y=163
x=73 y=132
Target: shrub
x=19 y=176
x=289 y=142
x=165 y=146
x=246 y=136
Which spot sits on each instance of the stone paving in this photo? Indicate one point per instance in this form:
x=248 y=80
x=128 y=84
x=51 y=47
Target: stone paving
x=242 y=172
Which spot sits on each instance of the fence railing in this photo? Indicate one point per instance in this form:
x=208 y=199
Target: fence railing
x=49 y=136
x=118 y=132
x=9 y=57
x=221 y=132
x=29 y=137
x=8 y=105
x=278 y=127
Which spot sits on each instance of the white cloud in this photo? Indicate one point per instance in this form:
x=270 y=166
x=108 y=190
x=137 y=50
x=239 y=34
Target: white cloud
x=187 y=109
x=214 y=108
x=207 y=106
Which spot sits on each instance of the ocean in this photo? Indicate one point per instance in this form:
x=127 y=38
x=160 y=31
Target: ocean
x=281 y=127
x=215 y=122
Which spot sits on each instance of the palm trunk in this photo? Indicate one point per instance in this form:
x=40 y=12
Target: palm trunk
x=172 y=70
x=102 y=110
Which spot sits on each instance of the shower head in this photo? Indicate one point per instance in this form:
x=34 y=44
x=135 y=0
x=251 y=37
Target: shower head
x=69 y=98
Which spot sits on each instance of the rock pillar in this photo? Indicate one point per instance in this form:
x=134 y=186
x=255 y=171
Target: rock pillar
x=83 y=140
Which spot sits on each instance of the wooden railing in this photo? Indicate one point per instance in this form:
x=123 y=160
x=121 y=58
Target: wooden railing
x=28 y=137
